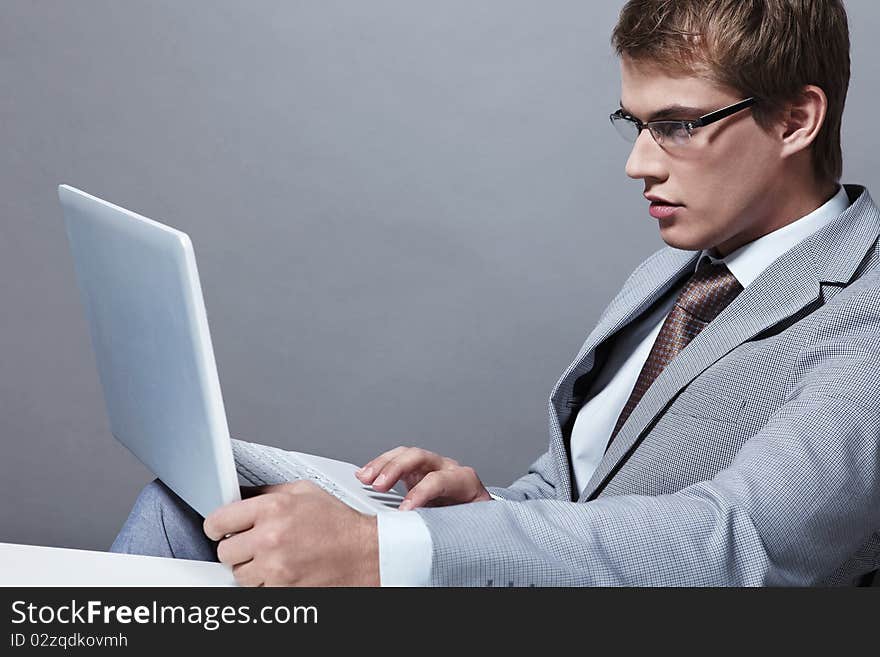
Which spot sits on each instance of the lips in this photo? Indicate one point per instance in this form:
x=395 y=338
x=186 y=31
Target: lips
x=661 y=210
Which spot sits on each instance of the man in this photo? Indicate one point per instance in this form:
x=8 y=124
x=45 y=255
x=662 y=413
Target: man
x=720 y=425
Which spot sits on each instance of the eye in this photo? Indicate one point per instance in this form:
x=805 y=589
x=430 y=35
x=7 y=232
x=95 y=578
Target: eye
x=671 y=132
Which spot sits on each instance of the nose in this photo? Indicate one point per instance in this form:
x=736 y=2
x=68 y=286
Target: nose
x=646 y=160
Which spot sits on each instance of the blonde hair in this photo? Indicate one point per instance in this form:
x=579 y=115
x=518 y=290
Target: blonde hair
x=769 y=49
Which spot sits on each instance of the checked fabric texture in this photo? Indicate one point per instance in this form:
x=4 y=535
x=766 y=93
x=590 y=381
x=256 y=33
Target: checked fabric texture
x=701 y=299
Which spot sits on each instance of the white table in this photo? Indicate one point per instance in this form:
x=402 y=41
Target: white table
x=32 y=565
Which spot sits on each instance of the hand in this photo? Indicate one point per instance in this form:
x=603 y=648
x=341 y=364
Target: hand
x=295 y=534
x=431 y=479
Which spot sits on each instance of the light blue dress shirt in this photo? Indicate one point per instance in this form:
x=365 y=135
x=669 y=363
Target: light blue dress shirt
x=404 y=541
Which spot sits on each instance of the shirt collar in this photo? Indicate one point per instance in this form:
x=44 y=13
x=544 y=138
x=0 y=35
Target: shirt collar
x=750 y=260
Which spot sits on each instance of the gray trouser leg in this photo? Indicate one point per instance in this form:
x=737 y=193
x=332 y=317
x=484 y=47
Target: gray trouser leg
x=163 y=525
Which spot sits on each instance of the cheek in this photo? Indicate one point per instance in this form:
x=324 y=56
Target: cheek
x=706 y=189
x=726 y=178
x=719 y=210
x=748 y=155
x=715 y=207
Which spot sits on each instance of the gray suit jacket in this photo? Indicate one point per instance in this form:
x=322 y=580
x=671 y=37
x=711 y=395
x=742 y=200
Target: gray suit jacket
x=753 y=459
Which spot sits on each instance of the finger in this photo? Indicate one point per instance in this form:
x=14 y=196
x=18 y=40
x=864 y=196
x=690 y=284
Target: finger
x=232 y=518
x=409 y=464
x=236 y=549
x=436 y=486
x=410 y=479
x=369 y=471
x=247 y=574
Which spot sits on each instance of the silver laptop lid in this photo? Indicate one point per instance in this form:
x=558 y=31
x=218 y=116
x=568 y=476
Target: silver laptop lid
x=143 y=301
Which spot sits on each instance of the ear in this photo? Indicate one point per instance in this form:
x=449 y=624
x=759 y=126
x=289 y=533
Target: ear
x=803 y=119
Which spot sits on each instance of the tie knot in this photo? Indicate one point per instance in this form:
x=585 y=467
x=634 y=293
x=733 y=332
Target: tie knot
x=708 y=291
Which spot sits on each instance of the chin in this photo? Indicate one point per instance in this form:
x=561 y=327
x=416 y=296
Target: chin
x=677 y=235
x=685 y=242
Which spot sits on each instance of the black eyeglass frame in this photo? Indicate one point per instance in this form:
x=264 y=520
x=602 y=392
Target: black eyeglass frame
x=689 y=125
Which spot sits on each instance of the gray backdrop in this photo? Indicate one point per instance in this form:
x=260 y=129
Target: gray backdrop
x=407 y=214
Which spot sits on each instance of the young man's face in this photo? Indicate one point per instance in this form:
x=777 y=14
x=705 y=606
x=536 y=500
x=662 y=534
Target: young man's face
x=721 y=182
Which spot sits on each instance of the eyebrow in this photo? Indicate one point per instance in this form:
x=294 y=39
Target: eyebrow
x=678 y=111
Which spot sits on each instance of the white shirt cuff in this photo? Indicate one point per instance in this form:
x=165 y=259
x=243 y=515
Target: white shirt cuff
x=405 y=549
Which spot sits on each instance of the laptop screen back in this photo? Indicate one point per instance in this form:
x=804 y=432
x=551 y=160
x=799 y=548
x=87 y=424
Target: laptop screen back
x=143 y=301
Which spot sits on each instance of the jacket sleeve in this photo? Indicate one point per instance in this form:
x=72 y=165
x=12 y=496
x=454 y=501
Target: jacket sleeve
x=800 y=497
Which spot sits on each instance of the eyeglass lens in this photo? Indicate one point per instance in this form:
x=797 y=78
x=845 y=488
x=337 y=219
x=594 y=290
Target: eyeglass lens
x=664 y=132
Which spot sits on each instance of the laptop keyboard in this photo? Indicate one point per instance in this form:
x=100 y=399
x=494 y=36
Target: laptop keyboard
x=263 y=465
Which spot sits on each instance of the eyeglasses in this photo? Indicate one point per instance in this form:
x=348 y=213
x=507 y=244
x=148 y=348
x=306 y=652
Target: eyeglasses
x=673 y=133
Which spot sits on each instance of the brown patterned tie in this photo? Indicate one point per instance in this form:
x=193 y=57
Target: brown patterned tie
x=701 y=299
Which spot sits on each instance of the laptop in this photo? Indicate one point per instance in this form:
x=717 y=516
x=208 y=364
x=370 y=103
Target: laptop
x=142 y=298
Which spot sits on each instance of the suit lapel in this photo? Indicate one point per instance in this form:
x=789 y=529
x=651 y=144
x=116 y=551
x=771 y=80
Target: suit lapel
x=647 y=284
x=788 y=285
